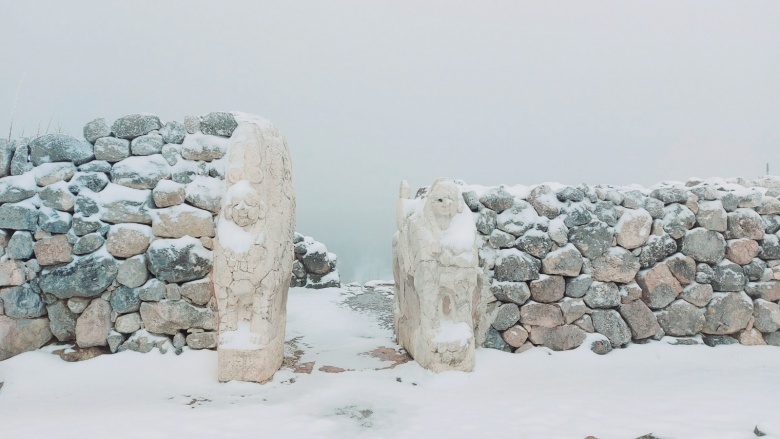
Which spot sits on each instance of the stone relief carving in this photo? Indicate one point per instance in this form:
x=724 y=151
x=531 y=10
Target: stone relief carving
x=437 y=298
x=253 y=252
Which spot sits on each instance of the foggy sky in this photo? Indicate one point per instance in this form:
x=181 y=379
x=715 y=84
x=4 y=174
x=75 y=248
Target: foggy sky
x=368 y=93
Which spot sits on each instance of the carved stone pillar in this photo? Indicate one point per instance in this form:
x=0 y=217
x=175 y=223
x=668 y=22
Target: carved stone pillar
x=253 y=252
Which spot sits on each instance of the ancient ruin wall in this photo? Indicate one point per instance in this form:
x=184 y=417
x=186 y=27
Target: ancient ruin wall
x=697 y=260
x=106 y=242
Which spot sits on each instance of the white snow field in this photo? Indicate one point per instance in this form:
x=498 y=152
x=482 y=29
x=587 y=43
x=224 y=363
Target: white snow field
x=683 y=392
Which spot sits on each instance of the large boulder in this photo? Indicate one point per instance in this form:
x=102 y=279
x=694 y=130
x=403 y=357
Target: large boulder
x=6 y=156
x=19 y=216
x=697 y=294
x=132 y=272
x=17 y=188
x=766 y=315
x=560 y=338
x=615 y=265
x=677 y=220
x=633 y=228
x=141 y=172
x=96 y=129
x=609 y=323
x=121 y=204
x=173 y=132
x=727 y=313
x=566 y=261
x=94 y=325
x=182 y=220
x=203 y=148
x=712 y=216
x=508 y=314
x=518 y=219
x=86 y=276
x=656 y=248
x=112 y=149
x=57 y=196
x=22 y=302
x=515 y=292
x=135 y=125
x=541 y=314
x=11 y=272
x=218 y=124
x=659 y=286
x=534 y=242
x=486 y=221
x=60 y=148
x=62 y=321
x=125 y=299
x=704 y=245
x=197 y=291
x=769 y=290
x=728 y=276
x=602 y=295
x=682 y=267
x=147 y=144
x=170 y=317
x=592 y=239
x=544 y=200
x=497 y=199
x=513 y=265
x=54 y=250
x=745 y=223
x=640 y=319
x=681 y=319
x=205 y=193
x=742 y=251
x=547 y=289
x=128 y=240
x=22 y=335
x=179 y=260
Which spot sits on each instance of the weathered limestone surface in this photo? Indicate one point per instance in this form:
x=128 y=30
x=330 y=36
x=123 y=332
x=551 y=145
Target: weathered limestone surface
x=253 y=252
x=437 y=302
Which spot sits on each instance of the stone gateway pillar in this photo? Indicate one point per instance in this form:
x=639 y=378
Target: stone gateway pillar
x=435 y=268
x=253 y=252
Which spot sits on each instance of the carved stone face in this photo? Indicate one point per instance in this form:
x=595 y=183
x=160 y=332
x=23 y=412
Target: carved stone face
x=245 y=209
x=443 y=199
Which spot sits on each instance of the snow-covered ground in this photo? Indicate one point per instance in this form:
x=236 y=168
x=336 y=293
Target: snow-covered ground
x=673 y=391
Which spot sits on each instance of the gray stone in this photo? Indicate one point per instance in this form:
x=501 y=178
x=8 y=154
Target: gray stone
x=577 y=215
x=128 y=323
x=320 y=281
x=179 y=260
x=152 y=291
x=518 y=219
x=298 y=270
x=497 y=199
x=472 y=200
x=124 y=300
x=20 y=246
x=572 y=309
x=745 y=223
x=615 y=265
x=602 y=295
x=683 y=268
x=561 y=338
x=50 y=173
x=54 y=221
x=558 y=232
x=96 y=129
x=179 y=340
x=566 y=261
x=514 y=266
x=181 y=220
x=58 y=197
x=94 y=181
x=203 y=148
x=94 y=325
x=125 y=205
x=730 y=201
x=766 y=315
x=681 y=319
x=134 y=125
x=601 y=347
x=169 y=317
x=202 y=340
x=132 y=272
x=19 y=216
x=22 y=302
x=670 y=195
x=677 y=220
x=22 y=335
x=83 y=225
x=173 y=132
x=751 y=198
x=773 y=339
x=88 y=244
x=606 y=212
x=704 y=245
x=197 y=291
x=147 y=144
x=62 y=321
x=114 y=340
x=493 y=340
x=728 y=276
x=59 y=148
x=640 y=320
x=654 y=207
x=727 y=313
x=86 y=276
x=547 y=289
x=534 y=242
x=77 y=305
x=630 y=292
x=486 y=221
x=111 y=149
x=659 y=286
x=610 y=324
x=770 y=247
x=541 y=314
x=218 y=124
x=633 y=228
x=508 y=314
x=86 y=205
x=704 y=273
x=21 y=164
x=754 y=270
x=6 y=156
x=569 y=193
x=591 y=240
x=95 y=166
x=315 y=260
x=657 y=248
x=578 y=286
x=585 y=323
x=141 y=172
x=771 y=223
x=17 y=188
x=516 y=292
x=697 y=294
x=769 y=291
x=205 y=193
x=718 y=340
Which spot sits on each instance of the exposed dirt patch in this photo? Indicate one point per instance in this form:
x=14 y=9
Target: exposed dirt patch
x=79 y=354
x=389 y=354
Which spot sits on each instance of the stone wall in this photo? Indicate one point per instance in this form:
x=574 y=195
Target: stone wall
x=698 y=260
x=106 y=242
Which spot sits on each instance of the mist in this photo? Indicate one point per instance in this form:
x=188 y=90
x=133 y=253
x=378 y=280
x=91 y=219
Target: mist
x=371 y=93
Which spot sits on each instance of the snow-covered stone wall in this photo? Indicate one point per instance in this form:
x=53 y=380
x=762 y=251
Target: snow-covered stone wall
x=106 y=242
x=699 y=260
